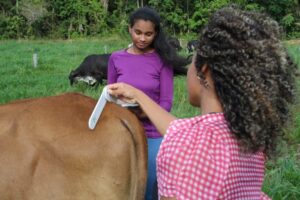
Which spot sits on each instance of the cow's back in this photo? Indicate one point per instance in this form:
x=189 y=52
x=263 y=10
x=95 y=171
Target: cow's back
x=48 y=152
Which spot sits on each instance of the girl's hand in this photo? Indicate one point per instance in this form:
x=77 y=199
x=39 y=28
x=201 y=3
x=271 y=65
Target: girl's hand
x=124 y=92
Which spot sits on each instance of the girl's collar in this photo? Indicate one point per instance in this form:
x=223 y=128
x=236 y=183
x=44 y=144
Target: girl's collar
x=131 y=50
x=146 y=53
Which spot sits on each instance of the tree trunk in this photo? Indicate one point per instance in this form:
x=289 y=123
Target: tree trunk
x=140 y=3
x=104 y=4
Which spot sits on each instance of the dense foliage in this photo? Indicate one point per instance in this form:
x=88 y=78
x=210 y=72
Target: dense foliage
x=77 y=18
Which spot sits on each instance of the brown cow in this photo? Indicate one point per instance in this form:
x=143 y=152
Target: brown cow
x=48 y=152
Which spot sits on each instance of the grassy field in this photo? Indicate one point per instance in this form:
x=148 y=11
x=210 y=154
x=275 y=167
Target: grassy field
x=19 y=80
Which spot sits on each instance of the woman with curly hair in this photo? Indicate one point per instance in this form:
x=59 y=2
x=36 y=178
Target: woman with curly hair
x=242 y=81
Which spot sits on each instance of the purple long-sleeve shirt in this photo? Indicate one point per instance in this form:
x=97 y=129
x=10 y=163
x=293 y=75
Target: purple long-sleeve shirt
x=146 y=72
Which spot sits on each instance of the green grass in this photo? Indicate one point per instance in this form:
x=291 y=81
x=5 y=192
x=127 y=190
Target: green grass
x=283 y=181
x=55 y=60
x=294 y=50
x=19 y=80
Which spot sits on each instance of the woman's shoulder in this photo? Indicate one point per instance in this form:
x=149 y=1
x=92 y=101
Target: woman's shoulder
x=183 y=123
x=201 y=120
x=202 y=133
x=211 y=124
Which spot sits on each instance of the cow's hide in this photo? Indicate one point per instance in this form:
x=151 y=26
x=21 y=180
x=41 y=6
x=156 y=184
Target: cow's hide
x=48 y=152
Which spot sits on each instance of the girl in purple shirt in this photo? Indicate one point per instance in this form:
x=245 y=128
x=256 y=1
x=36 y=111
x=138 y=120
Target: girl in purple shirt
x=148 y=73
x=148 y=65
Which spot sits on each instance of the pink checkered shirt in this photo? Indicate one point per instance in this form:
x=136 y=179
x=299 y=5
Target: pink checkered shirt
x=199 y=159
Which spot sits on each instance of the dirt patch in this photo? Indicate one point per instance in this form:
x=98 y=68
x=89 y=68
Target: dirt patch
x=293 y=42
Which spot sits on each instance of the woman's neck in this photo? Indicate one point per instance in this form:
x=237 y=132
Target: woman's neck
x=209 y=100
x=211 y=105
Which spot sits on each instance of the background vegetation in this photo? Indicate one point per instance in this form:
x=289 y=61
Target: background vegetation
x=81 y=18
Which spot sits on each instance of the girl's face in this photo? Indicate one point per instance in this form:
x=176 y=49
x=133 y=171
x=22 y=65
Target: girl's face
x=142 y=34
x=193 y=85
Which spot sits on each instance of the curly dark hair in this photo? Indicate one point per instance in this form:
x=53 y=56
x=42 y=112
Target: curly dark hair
x=252 y=75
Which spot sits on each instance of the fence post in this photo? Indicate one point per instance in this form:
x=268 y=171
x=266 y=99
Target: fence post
x=35 y=58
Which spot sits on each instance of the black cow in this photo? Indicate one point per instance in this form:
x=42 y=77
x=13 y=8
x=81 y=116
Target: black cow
x=191 y=45
x=92 y=70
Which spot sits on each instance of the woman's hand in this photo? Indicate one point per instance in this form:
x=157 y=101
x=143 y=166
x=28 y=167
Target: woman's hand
x=124 y=92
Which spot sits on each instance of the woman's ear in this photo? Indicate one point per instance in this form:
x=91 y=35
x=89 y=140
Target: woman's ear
x=204 y=69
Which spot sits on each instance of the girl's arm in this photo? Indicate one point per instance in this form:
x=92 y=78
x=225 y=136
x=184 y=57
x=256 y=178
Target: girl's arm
x=158 y=116
x=111 y=71
x=166 y=87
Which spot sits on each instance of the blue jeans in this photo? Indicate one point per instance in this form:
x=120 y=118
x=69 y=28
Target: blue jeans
x=153 y=147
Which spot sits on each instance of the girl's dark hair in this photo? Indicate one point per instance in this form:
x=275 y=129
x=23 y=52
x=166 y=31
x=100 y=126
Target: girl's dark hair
x=160 y=43
x=252 y=75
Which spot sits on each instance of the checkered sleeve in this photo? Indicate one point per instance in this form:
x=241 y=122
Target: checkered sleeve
x=195 y=164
